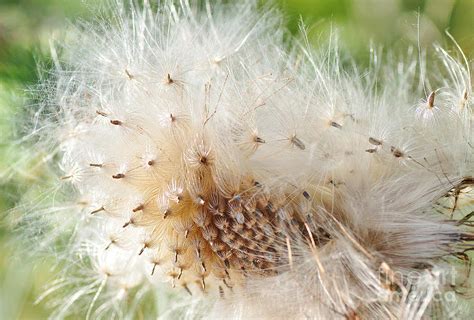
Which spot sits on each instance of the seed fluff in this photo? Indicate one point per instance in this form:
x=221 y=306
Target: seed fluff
x=213 y=166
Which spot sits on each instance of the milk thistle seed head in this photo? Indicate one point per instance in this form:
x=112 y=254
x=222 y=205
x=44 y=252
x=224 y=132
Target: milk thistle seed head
x=202 y=148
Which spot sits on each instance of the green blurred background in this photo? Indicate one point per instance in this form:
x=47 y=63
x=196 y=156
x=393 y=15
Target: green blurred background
x=27 y=25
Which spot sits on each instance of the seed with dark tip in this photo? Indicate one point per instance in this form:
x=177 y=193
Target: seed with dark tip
x=306 y=195
x=374 y=141
x=153 y=270
x=203 y=160
x=187 y=289
x=140 y=207
x=97 y=165
x=297 y=142
x=110 y=244
x=116 y=122
x=335 y=125
x=98 y=210
x=118 y=176
x=397 y=153
x=431 y=99
x=129 y=75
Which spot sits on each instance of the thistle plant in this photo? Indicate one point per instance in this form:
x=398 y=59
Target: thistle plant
x=211 y=165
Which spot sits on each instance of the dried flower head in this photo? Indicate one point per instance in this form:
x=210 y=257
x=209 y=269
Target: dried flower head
x=257 y=176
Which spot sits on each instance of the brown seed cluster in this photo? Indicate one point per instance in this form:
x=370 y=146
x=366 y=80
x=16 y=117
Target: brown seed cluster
x=220 y=240
x=211 y=239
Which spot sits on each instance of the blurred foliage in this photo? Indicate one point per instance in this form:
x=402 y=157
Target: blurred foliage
x=26 y=26
x=386 y=23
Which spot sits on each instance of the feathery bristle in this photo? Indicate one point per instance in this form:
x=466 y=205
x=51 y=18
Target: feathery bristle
x=266 y=178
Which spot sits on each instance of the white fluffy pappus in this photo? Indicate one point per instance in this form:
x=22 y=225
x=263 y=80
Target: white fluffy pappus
x=258 y=177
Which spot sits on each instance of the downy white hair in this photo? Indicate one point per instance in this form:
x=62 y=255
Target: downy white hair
x=202 y=148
